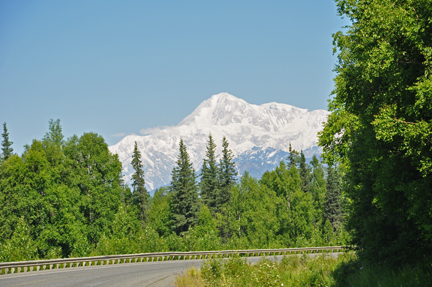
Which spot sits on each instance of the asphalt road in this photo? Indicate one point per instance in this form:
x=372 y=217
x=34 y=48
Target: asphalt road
x=154 y=274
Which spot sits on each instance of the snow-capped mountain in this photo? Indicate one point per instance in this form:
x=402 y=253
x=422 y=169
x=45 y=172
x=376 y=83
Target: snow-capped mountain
x=258 y=135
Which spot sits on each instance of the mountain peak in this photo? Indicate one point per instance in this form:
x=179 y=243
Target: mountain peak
x=214 y=109
x=223 y=97
x=266 y=129
x=221 y=100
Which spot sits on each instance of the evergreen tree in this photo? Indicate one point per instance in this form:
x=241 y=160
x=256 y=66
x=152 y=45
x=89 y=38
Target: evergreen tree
x=227 y=174
x=304 y=171
x=227 y=179
x=209 y=178
x=292 y=157
x=318 y=188
x=126 y=196
x=333 y=203
x=6 y=144
x=184 y=203
x=140 y=195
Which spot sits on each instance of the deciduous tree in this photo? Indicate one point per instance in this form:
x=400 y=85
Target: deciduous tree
x=381 y=126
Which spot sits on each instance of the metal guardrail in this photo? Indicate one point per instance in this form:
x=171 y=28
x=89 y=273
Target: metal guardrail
x=36 y=265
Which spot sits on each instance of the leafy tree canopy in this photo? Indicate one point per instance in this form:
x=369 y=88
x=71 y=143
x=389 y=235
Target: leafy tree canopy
x=381 y=125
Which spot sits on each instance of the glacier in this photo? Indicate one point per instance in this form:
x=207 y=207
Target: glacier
x=258 y=135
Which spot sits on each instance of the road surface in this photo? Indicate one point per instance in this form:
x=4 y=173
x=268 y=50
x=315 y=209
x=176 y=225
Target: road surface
x=154 y=274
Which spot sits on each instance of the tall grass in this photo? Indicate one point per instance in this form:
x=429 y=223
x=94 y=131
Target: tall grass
x=346 y=270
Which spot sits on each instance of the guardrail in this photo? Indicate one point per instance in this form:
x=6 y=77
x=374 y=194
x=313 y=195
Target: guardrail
x=36 y=265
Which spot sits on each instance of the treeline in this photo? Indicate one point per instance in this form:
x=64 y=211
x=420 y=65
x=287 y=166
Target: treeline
x=67 y=198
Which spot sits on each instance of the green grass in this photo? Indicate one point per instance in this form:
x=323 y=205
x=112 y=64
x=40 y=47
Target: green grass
x=347 y=270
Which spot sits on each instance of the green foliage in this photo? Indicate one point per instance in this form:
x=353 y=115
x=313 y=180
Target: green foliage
x=227 y=179
x=333 y=211
x=297 y=270
x=293 y=157
x=294 y=206
x=290 y=271
x=20 y=247
x=305 y=174
x=7 y=149
x=159 y=216
x=184 y=200
x=256 y=217
x=124 y=235
x=227 y=174
x=206 y=223
x=300 y=209
x=209 y=178
x=318 y=189
x=81 y=247
x=97 y=178
x=381 y=125
x=67 y=192
x=55 y=134
x=68 y=199
x=358 y=273
x=140 y=196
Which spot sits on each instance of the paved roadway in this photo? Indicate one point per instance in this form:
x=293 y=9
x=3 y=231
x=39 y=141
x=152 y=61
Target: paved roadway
x=154 y=274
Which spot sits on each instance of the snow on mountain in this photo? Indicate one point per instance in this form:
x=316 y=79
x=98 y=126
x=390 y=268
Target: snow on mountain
x=259 y=136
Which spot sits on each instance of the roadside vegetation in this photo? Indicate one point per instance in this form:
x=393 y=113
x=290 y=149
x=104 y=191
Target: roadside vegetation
x=346 y=270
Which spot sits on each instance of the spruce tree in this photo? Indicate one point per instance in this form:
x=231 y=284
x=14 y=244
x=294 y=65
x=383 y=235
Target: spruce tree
x=333 y=203
x=305 y=174
x=292 y=157
x=209 y=178
x=318 y=188
x=227 y=174
x=184 y=202
x=140 y=195
x=6 y=144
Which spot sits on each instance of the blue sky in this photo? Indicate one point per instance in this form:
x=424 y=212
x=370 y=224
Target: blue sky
x=117 y=67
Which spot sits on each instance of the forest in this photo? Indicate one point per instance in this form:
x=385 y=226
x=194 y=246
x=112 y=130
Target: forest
x=68 y=198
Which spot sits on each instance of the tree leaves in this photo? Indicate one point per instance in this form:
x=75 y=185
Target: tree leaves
x=381 y=125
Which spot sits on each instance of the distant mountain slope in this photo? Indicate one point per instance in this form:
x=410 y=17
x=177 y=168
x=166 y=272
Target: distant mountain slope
x=259 y=137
